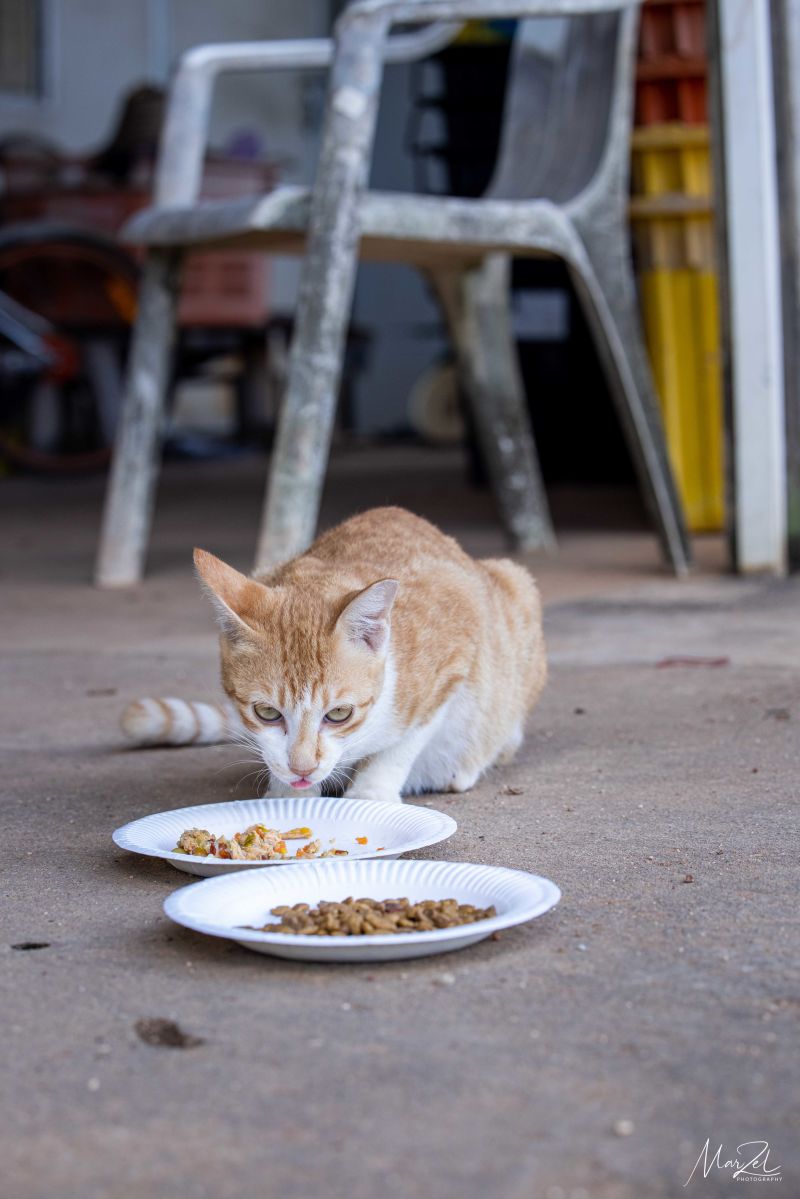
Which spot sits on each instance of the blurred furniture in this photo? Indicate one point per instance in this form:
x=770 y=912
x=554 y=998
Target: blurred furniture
x=672 y=216
x=453 y=133
x=672 y=71
x=560 y=189
x=453 y=128
x=224 y=310
x=221 y=290
x=67 y=304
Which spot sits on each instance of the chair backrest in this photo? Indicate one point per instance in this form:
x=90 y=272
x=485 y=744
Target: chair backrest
x=568 y=105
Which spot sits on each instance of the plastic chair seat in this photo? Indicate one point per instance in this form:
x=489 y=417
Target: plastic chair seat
x=394 y=226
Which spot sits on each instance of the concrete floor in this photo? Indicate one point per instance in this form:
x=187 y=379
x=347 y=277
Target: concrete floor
x=505 y=1070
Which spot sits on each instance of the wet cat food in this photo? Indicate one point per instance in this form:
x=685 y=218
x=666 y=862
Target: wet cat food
x=256 y=844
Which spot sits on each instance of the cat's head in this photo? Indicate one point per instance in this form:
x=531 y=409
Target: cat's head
x=304 y=668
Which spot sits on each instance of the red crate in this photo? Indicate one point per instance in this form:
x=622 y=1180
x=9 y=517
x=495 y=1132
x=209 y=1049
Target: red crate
x=671 y=75
x=674 y=28
x=692 y=97
x=661 y=100
x=225 y=289
x=99 y=210
x=690 y=30
x=655 y=33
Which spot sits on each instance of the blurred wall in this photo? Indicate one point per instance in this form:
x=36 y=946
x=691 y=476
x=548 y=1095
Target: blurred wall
x=97 y=50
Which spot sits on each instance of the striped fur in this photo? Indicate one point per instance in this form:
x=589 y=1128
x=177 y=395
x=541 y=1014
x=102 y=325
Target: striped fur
x=175 y=722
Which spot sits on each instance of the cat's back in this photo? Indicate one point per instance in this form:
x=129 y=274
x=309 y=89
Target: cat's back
x=393 y=538
x=382 y=542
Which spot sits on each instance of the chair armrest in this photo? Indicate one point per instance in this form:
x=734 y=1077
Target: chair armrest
x=183 y=140
x=392 y=11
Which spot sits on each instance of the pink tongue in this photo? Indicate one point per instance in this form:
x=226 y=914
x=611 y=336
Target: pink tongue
x=301 y=782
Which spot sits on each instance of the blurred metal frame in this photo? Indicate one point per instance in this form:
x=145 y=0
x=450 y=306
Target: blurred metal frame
x=743 y=118
x=786 y=61
x=183 y=143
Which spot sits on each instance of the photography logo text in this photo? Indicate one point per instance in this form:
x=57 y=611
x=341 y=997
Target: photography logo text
x=750 y=1163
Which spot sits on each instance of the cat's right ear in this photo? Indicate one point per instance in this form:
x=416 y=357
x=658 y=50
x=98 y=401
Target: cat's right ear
x=234 y=596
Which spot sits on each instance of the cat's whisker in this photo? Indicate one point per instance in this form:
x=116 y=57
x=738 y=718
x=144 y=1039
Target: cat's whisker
x=340 y=777
x=262 y=780
x=257 y=773
x=230 y=765
x=246 y=743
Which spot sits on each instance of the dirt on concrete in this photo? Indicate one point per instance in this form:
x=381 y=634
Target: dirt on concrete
x=587 y=1055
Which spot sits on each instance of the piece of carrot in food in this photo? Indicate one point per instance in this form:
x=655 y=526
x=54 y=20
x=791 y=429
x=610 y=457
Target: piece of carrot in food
x=361 y=840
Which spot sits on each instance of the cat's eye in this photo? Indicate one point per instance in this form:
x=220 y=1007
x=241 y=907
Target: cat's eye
x=339 y=715
x=266 y=713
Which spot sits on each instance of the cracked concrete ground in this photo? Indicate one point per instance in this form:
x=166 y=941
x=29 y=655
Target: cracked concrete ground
x=588 y=1055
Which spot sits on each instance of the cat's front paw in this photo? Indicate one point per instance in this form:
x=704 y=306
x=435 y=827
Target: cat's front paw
x=376 y=793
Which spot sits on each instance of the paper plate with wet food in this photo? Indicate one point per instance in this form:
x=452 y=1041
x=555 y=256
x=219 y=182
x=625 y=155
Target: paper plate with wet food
x=216 y=838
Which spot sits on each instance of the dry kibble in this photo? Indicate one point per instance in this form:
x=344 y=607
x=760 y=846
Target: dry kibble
x=373 y=917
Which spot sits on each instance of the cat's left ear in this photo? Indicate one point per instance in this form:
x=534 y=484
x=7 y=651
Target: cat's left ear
x=365 y=619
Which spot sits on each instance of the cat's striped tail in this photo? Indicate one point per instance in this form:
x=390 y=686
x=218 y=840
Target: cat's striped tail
x=175 y=722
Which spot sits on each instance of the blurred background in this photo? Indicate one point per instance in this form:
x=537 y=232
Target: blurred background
x=82 y=101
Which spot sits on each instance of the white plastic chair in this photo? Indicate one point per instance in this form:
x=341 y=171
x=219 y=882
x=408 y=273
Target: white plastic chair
x=560 y=189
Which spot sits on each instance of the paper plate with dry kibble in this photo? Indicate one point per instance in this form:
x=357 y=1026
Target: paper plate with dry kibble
x=363 y=911
x=219 y=838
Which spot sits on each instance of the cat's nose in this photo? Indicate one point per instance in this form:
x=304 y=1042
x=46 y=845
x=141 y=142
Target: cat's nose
x=302 y=767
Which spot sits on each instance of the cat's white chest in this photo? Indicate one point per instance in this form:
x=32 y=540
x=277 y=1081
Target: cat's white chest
x=433 y=754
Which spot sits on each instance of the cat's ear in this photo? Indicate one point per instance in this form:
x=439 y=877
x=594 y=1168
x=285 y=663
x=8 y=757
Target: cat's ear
x=234 y=596
x=365 y=618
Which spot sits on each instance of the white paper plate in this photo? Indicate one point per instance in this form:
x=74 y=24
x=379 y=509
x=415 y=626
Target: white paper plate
x=390 y=829
x=221 y=906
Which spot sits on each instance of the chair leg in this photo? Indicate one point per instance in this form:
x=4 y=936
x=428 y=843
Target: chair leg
x=476 y=305
x=302 y=444
x=131 y=486
x=305 y=424
x=604 y=281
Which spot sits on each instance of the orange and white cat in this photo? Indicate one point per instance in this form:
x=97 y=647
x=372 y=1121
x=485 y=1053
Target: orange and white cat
x=384 y=659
